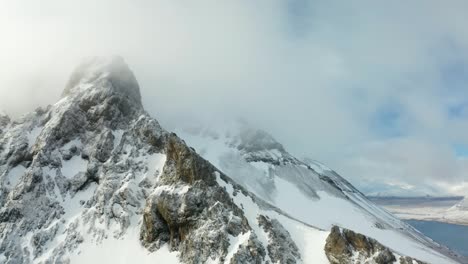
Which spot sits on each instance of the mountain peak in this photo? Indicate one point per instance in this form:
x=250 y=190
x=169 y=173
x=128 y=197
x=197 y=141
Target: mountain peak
x=107 y=73
x=95 y=173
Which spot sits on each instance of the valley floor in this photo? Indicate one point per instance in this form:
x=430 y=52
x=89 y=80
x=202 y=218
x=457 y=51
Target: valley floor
x=440 y=209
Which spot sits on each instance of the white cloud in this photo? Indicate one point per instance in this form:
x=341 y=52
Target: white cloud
x=315 y=77
x=405 y=163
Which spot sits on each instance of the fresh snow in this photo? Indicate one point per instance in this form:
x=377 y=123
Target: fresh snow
x=318 y=167
x=261 y=166
x=73 y=166
x=337 y=211
x=73 y=206
x=129 y=250
x=76 y=142
x=73 y=210
x=61 y=101
x=128 y=246
x=210 y=148
x=33 y=134
x=330 y=208
x=15 y=174
x=234 y=244
x=155 y=163
x=323 y=212
x=310 y=241
x=52 y=173
x=180 y=190
x=117 y=137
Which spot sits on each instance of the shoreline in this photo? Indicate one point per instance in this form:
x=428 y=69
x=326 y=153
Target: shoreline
x=437 y=209
x=433 y=219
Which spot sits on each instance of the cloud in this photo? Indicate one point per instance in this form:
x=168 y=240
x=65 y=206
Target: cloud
x=410 y=166
x=325 y=77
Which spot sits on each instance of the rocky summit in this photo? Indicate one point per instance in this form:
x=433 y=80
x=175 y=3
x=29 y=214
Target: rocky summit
x=95 y=179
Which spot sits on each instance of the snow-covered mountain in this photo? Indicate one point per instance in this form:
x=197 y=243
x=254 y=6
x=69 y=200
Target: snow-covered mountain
x=463 y=204
x=381 y=189
x=95 y=179
x=457 y=214
x=451 y=210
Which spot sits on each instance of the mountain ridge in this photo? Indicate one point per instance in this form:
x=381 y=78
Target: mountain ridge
x=94 y=172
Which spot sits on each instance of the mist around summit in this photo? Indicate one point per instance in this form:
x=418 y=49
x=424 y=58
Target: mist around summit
x=258 y=131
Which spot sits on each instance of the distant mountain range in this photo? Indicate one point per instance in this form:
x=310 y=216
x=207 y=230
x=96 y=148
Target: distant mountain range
x=451 y=209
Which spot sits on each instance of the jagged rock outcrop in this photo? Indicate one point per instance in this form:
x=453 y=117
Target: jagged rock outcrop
x=56 y=154
x=344 y=246
x=408 y=260
x=282 y=249
x=189 y=210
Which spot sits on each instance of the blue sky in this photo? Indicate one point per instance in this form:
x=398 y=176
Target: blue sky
x=387 y=121
x=461 y=150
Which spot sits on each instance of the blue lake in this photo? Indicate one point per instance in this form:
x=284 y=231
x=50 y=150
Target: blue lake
x=453 y=236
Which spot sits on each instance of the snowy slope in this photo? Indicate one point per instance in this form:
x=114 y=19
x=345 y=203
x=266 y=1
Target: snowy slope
x=457 y=214
x=462 y=205
x=94 y=178
x=310 y=192
x=310 y=241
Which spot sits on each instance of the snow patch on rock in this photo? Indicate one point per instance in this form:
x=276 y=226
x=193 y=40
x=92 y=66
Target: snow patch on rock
x=33 y=134
x=73 y=166
x=14 y=175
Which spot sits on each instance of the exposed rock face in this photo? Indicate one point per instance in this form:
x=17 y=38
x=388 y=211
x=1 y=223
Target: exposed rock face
x=69 y=153
x=191 y=212
x=345 y=246
x=408 y=260
x=4 y=120
x=282 y=248
x=95 y=164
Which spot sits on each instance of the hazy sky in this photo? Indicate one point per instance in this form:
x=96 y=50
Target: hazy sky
x=375 y=89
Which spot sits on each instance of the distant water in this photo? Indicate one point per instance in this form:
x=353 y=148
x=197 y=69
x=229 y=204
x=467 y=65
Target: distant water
x=453 y=236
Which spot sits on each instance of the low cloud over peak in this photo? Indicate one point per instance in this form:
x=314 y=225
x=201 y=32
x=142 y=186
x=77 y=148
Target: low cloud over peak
x=375 y=90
